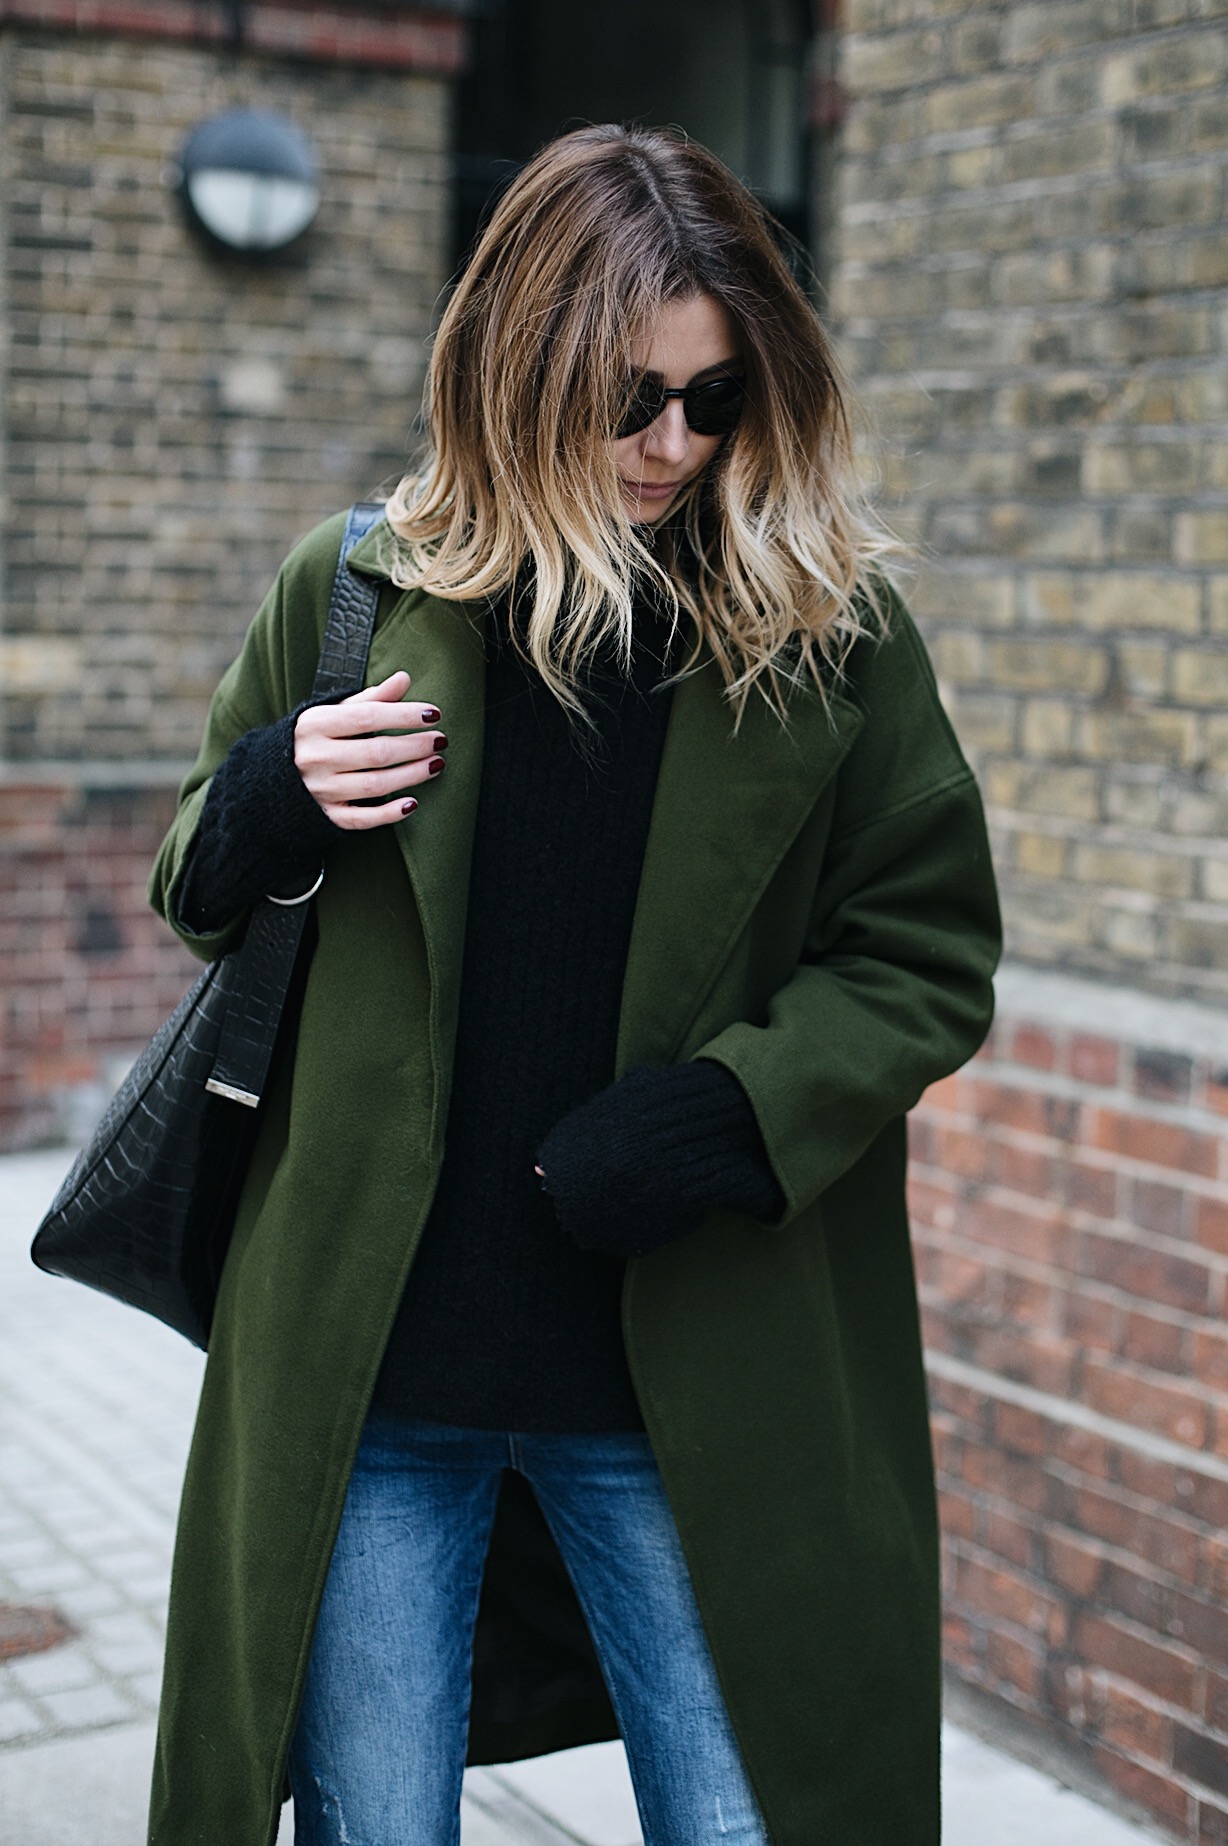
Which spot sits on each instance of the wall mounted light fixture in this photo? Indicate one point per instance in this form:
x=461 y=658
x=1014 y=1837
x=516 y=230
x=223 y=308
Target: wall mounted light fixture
x=248 y=180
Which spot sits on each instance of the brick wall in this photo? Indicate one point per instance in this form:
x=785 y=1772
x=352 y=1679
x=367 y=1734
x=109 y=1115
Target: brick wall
x=1070 y=1203
x=173 y=419
x=1030 y=284
x=90 y=971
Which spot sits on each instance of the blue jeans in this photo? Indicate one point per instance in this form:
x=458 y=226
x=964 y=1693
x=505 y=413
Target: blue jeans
x=379 y=1751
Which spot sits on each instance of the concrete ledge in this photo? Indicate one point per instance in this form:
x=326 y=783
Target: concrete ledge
x=95 y=773
x=1191 y=1028
x=1068 y=1411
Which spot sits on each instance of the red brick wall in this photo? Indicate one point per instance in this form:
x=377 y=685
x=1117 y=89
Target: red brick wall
x=1070 y=1199
x=88 y=971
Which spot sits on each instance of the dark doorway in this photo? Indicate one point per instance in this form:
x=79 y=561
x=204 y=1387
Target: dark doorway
x=732 y=73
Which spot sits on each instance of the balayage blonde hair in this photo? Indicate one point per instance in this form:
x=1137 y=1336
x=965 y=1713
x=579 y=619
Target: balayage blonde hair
x=772 y=553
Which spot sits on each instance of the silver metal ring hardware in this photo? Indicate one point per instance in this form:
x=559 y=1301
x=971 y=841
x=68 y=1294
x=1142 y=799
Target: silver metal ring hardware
x=288 y=902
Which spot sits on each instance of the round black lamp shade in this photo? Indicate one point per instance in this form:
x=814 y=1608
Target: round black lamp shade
x=249 y=179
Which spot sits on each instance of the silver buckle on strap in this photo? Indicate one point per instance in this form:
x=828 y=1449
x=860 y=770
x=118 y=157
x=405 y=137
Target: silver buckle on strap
x=231 y=1094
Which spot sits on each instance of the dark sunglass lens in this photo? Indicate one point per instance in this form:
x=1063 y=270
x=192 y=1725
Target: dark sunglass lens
x=644 y=403
x=714 y=409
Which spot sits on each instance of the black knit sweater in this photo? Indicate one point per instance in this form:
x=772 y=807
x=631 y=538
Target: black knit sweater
x=511 y=1318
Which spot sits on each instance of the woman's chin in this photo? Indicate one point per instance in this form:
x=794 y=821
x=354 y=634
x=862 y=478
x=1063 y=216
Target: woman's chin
x=647 y=510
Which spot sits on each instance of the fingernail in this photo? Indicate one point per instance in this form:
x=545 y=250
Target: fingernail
x=434 y=766
x=441 y=743
x=407 y=807
x=430 y=714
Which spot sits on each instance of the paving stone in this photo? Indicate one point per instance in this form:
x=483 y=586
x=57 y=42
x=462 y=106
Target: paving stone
x=61 y=1669
x=1027 y=1809
x=18 y=1719
x=127 y=1662
x=103 y=1537
x=27 y=1552
x=132 y=1566
x=587 y=1791
x=89 y=1790
x=145 y=1688
x=90 y=1601
x=88 y=1707
x=149 y=1591
x=493 y=1810
x=42 y=1582
x=480 y=1828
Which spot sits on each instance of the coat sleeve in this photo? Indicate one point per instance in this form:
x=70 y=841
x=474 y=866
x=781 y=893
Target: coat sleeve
x=272 y=674
x=894 y=986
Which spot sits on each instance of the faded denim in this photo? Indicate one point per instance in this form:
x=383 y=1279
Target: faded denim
x=379 y=1751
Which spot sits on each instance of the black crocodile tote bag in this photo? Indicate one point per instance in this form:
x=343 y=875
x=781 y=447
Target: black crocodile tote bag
x=147 y=1210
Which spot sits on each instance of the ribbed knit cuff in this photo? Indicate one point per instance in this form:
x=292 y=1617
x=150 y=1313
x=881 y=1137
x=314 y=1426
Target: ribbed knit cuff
x=260 y=830
x=640 y=1164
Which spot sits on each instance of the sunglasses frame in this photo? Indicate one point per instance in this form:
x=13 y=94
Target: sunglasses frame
x=661 y=395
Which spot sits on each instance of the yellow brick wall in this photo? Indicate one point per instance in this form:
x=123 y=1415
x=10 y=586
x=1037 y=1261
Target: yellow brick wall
x=173 y=419
x=1030 y=288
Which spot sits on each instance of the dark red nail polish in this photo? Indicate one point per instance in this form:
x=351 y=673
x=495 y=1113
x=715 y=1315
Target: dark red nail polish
x=409 y=806
x=430 y=714
x=441 y=743
x=434 y=766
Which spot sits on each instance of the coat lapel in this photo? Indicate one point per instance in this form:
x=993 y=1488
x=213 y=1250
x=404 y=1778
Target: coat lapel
x=727 y=809
x=439 y=644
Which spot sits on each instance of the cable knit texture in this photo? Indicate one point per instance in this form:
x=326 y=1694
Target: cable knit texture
x=643 y=1161
x=259 y=831
x=506 y=1322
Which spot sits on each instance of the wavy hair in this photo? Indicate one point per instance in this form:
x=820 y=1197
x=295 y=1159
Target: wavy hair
x=772 y=553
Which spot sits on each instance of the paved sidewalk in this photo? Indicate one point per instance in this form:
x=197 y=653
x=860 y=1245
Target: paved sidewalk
x=96 y=1404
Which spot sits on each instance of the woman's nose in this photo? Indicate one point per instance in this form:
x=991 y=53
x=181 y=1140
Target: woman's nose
x=668 y=437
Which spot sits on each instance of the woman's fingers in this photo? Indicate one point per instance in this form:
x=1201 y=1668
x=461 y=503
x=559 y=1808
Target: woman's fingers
x=371 y=784
x=364 y=713
x=366 y=747
x=394 y=687
x=361 y=820
x=356 y=755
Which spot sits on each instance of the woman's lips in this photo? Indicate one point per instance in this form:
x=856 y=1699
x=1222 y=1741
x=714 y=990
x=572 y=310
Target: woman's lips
x=651 y=490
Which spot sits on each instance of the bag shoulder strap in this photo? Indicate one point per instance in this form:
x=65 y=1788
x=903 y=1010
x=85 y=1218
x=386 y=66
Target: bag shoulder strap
x=258 y=973
x=342 y=666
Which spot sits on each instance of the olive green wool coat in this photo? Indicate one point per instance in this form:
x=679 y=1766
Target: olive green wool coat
x=817 y=913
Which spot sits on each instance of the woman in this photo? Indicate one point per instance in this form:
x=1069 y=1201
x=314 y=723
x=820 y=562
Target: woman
x=656 y=891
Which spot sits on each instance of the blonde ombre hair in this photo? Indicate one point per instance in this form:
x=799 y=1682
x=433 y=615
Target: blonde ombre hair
x=772 y=552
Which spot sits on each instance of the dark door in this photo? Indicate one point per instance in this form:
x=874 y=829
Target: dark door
x=730 y=72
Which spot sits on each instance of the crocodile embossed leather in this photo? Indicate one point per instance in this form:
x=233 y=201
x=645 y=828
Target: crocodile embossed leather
x=146 y=1212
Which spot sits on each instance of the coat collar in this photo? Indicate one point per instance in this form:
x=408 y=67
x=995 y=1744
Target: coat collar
x=727 y=809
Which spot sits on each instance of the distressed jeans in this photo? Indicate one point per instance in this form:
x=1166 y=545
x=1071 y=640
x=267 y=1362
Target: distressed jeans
x=379 y=1750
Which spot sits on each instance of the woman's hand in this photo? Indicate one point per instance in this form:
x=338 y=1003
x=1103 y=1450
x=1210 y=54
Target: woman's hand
x=640 y=1163
x=345 y=753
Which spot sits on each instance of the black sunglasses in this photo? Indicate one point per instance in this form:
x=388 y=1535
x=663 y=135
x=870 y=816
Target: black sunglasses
x=711 y=409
